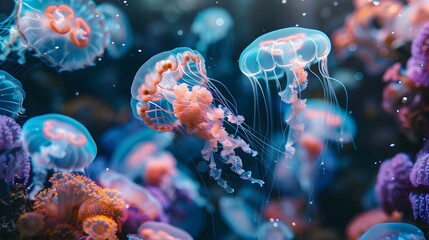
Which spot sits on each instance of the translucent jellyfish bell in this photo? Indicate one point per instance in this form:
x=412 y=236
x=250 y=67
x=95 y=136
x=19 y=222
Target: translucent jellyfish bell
x=130 y=156
x=58 y=142
x=121 y=34
x=211 y=25
x=11 y=96
x=393 y=231
x=172 y=90
x=157 y=230
x=328 y=121
x=67 y=34
x=274 y=53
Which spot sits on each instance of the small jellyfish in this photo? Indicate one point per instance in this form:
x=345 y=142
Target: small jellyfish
x=238 y=215
x=156 y=230
x=134 y=195
x=131 y=155
x=393 y=231
x=274 y=230
x=172 y=91
x=67 y=34
x=121 y=34
x=11 y=96
x=289 y=51
x=328 y=121
x=211 y=25
x=58 y=142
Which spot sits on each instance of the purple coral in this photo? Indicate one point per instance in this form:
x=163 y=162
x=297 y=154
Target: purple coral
x=14 y=164
x=10 y=133
x=393 y=183
x=419 y=174
x=417 y=67
x=420 y=206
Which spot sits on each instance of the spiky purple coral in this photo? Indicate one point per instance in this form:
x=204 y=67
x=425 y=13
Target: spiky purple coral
x=417 y=65
x=14 y=164
x=10 y=133
x=393 y=183
x=419 y=175
x=420 y=206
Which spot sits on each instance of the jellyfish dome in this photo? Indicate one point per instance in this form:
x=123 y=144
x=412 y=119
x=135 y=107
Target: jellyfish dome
x=270 y=55
x=132 y=154
x=172 y=90
x=328 y=121
x=58 y=142
x=68 y=34
x=211 y=25
x=121 y=34
x=392 y=231
x=156 y=230
x=275 y=230
x=11 y=96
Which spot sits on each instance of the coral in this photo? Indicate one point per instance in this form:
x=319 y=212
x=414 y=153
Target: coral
x=62 y=231
x=15 y=164
x=12 y=205
x=69 y=193
x=10 y=133
x=112 y=207
x=100 y=227
x=419 y=173
x=30 y=224
x=393 y=183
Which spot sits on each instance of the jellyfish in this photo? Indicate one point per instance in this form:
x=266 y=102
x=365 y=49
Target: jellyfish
x=238 y=215
x=121 y=34
x=67 y=34
x=289 y=51
x=151 y=230
x=132 y=154
x=211 y=25
x=275 y=230
x=11 y=96
x=58 y=142
x=404 y=231
x=134 y=195
x=172 y=91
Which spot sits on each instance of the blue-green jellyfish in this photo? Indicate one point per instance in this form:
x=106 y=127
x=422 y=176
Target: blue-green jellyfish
x=67 y=34
x=289 y=52
x=393 y=231
x=119 y=28
x=211 y=25
x=58 y=142
x=11 y=96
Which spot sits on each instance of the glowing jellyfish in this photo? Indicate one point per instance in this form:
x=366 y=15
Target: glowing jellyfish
x=171 y=90
x=328 y=121
x=275 y=230
x=156 y=230
x=58 y=142
x=121 y=34
x=11 y=96
x=131 y=155
x=393 y=231
x=238 y=215
x=67 y=34
x=289 y=51
x=134 y=195
x=211 y=25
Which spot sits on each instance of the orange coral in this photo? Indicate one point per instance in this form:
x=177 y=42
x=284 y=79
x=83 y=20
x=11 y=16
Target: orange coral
x=30 y=224
x=69 y=193
x=112 y=207
x=100 y=227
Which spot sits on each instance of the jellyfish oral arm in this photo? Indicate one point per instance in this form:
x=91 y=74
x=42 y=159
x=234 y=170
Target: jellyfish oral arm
x=297 y=81
x=194 y=110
